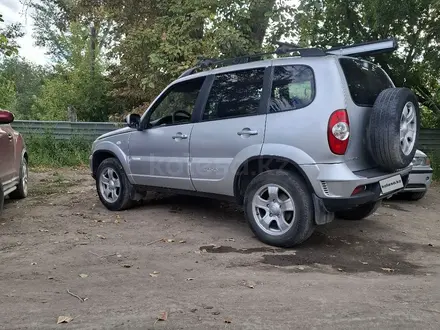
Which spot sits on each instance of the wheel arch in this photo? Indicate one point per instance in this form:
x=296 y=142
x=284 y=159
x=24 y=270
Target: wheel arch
x=253 y=166
x=108 y=150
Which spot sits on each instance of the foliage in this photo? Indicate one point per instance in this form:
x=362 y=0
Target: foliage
x=8 y=34
x=21 y=82
x=7 y=91
x=434 y=157
x=77 y=81
x=155 y=41
x=45 y=150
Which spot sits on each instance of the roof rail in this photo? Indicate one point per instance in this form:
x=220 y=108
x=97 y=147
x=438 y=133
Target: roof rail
x=283 y=48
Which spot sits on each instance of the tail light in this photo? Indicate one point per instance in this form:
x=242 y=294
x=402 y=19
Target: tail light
x=338 y=132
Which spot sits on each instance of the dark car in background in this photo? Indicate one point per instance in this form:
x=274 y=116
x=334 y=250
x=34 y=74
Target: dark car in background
x=13 y=161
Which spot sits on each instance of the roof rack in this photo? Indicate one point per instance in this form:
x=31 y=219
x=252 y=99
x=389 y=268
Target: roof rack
x=283 y=48
x=363 y=49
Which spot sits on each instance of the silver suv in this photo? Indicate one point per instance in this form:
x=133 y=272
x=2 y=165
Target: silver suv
x=295 y=140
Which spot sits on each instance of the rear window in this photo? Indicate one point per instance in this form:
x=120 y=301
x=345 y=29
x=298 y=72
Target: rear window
x=365 y=80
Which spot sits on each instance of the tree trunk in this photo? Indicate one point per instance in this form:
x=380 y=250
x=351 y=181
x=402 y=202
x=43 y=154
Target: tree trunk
x=92 y=49
x=259 y=20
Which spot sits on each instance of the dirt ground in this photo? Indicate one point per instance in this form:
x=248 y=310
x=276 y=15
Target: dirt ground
x=197 y=260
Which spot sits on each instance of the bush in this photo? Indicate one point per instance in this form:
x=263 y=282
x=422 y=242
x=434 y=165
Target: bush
x=46 y=151
x=434 y=156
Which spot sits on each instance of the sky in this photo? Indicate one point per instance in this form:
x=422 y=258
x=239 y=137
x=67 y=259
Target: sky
x=13 y=11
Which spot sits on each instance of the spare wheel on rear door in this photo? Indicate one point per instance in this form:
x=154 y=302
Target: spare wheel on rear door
x=393 y=129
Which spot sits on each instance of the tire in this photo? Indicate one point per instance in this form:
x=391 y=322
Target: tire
x=120 y=200
x=384 y=128
x=301 y=221
x=414 y=196
x=22 y=187
x=358 y=213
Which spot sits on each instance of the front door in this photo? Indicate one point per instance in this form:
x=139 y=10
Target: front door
x=231 y=129
x=159 y=154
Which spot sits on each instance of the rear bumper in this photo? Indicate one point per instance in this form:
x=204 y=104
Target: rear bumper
x=335 y=184
x=372 y=195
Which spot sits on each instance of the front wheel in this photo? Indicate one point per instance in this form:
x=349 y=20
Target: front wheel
x=22 y=187
x=279 y=208
x=113 y=186
x=360 y=212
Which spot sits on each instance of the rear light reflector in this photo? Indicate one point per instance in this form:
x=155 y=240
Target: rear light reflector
x=338 y=132
x=358 y=190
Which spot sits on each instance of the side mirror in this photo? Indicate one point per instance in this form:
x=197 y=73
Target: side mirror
x=133 y=120
x=6 y=117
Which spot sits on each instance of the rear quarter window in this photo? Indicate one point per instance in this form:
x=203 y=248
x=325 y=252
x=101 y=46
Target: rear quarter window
x=293 y=87
x=365 y=80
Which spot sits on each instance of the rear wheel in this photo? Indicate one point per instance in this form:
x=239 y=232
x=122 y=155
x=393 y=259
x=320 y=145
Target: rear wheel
x=279 y=208
x=360 y=212
x=22 y=187
x=112 y=185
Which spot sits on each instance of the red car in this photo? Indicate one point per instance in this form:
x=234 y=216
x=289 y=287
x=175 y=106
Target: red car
x=13 y=161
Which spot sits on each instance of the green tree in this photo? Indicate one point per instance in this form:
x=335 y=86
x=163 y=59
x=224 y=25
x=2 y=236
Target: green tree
x=8 y=36
x=23 y=79
x=72 y=85
x=155 y=41
x=7 y=92
x=76 y=42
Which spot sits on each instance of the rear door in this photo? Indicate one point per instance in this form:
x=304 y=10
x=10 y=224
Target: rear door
x=7 y=154
x=231 y=129
x=363 y=83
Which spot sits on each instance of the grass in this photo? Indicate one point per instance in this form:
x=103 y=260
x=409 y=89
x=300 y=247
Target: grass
x=53 y=184
x=46 y=151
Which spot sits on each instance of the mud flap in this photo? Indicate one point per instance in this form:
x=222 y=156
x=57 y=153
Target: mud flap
x=322 y=216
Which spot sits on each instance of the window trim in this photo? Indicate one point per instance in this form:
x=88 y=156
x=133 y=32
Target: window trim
x=262 y=110
x=361 y=105
x=271 y=85
x=147 y=115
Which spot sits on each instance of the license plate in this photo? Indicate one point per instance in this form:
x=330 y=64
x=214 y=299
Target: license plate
x=391 y=184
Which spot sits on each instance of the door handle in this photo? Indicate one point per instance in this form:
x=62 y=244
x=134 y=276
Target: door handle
x=179 y=136
x=10 y=136
x=247 y=131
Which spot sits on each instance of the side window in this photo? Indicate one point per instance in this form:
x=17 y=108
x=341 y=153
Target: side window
x=235 y=94
x=177 y=104
x=293 y=87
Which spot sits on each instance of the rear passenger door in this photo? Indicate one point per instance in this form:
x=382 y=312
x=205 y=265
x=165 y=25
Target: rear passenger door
x=230 y=129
